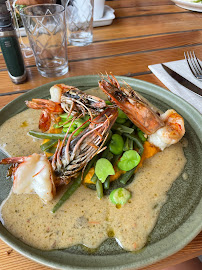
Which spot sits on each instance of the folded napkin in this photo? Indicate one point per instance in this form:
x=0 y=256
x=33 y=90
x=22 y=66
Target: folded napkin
x=181 y=68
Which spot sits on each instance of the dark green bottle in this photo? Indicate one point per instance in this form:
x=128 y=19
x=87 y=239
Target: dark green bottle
x=10 y=47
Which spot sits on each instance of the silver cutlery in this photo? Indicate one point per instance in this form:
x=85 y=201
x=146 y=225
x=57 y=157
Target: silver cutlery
x=183 y=81
x=194 y=64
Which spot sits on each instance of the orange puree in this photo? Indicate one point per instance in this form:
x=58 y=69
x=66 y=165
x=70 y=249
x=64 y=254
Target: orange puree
x=149 y=151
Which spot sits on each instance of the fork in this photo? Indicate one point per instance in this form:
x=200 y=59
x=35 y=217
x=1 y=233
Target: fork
x=194 y=64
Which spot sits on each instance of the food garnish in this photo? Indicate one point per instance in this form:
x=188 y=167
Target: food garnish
x=129 y=160
x=89 y=138
x=120 y=196
x=103 y=169
x=163 y=130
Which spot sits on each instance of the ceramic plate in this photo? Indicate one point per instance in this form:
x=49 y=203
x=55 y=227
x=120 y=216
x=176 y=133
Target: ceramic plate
x=180 y=218
x=189 y=5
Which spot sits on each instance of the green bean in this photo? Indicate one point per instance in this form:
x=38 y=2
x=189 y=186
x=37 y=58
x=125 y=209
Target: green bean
x=137 y=142
x=42 y=135
x=94 y=178
x=78 y=132
x=91 y=186
x=64 y=115
x=124 y=178
x=89 y=165
x=129 y=124
x=108 y=137
x=108 y=102
x=135 y=127
x=107 y=183
x=51 y=150
x=115 y=159
x=99 y=189
x=107 y=154
x=94 y=163
x=122 y=128
x=67 y=125
x=78 y=122
x=77 y=182
x=120 y=120
x=57 y=125
x=70 y=130
x=128 y=145
x=110 y=156
x=141 y=135
x=48 y=145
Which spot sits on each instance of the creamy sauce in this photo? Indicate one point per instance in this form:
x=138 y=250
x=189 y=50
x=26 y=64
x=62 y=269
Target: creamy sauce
x=84 y=219
x=15 y=140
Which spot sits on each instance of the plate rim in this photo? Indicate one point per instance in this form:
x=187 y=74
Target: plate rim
x=188 y=5
x=189 y=2
x=158 y=91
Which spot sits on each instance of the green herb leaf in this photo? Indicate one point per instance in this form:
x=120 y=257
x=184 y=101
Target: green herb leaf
x=129 y=160
x=103 y=168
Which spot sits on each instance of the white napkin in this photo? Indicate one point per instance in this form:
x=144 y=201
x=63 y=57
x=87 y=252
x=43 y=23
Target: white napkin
x=181 y=68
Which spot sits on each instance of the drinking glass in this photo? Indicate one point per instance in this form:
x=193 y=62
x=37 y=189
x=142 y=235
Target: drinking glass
x=45 y=26
x=79 y=15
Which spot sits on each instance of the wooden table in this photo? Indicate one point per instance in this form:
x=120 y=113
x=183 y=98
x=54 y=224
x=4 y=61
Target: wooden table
x=143 y=33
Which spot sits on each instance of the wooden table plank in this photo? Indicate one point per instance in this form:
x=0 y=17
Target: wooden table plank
x=148 y=10
x=146 y=43
x=149 y=25
x=125 y=64
x=139 y=27
x=138 y=3
x=138 y=8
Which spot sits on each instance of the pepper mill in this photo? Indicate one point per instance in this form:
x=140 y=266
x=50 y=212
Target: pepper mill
x=10 y=46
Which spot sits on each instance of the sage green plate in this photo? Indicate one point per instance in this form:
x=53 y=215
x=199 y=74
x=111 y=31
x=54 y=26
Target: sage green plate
x=180 y=219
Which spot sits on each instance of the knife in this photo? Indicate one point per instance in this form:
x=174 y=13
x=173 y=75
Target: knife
x=181 y=80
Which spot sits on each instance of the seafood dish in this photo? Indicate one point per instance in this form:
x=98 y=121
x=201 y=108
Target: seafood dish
x=93 y=168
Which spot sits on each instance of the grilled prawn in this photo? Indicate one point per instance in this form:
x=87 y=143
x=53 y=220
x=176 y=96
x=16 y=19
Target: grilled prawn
x=162 y=129
x=37 y=174
x=67 y=99
x=32 y=175
x=69 y=159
